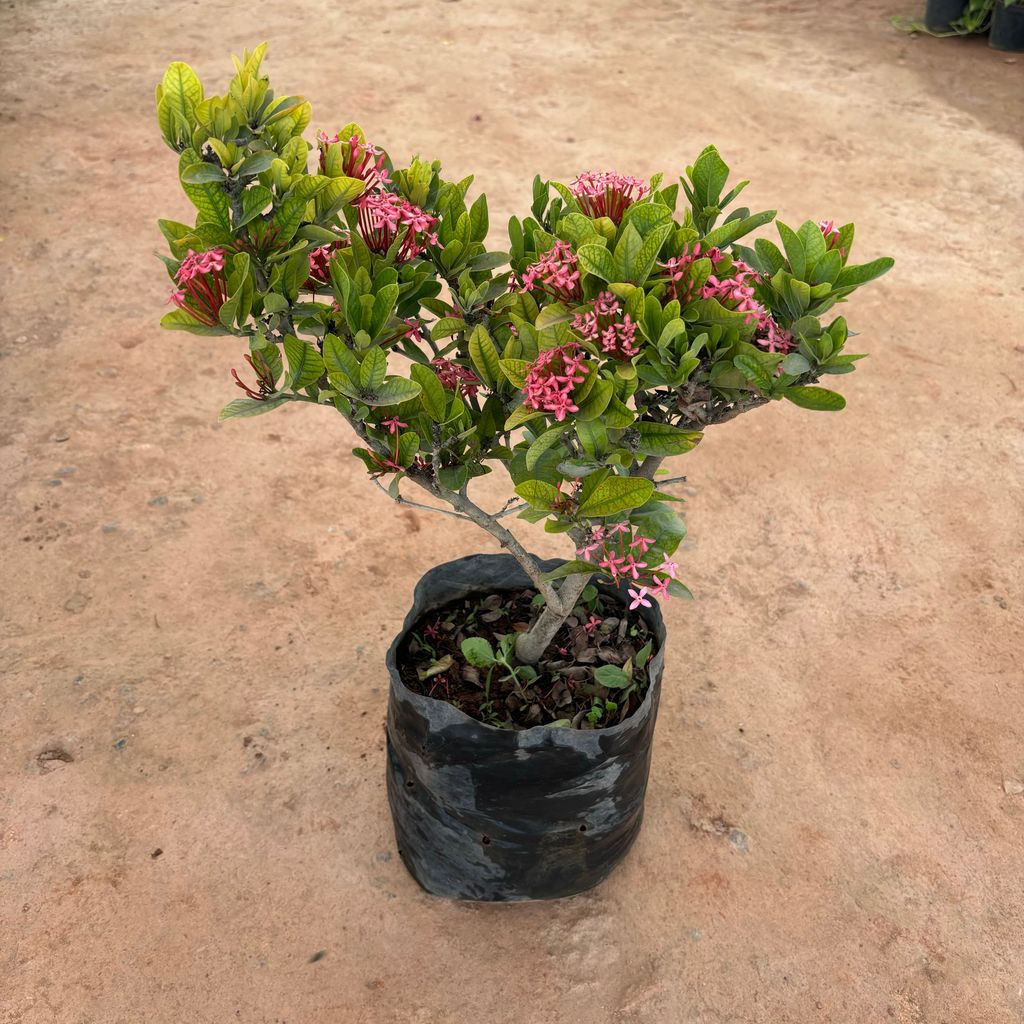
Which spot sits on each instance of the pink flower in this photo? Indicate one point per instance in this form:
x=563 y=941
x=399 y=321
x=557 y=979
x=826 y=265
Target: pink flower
x=394 y=425
x=643 y=543
x=319 y=266
x=670 y=568
x=456 y=378
x=264 y=378
x=550 y=380
x=592 y=623
x=611 y=564
x=589 y=549
x=556 y=272
x=383 y=214
x=607 y=326
x=618 y=528
x=660 y=588
x=359 y=159
x=204 y=286
x=771 y=336
x=678 y=270
x=639 y=598
x=607 y=194
x=633 y=566
x=736 y=291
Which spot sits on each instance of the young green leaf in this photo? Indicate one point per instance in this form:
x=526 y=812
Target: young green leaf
x=478 y=652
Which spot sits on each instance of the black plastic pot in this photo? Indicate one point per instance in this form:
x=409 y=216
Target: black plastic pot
x=482 y=813
x=1007 y=31
x=940 y=14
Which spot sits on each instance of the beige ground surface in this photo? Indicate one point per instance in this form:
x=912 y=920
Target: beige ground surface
x=197 y=614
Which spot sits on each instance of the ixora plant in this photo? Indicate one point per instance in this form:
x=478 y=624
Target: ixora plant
x=621 y=321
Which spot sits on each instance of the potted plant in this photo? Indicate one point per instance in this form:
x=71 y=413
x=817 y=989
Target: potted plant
x=950 y=18
x=1007 y=32
x=623 y=319
x=941 y=15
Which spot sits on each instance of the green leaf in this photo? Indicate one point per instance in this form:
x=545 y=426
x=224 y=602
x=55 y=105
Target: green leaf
x=446 y=327
x=709 y=175
x=478 y=652
x=795 y=364
x=408 y=446
x=478 y=219
x=520 y=415
x=855 y=276
x=254 y=201
x=597 y=401
x=574 y=567
x=210 y=200
x=814 y=244
x=542 y=444
x=733 y=229
x=597 y=260
x=712 y=312
x=241 y=407
x=663 y=439
x=181 y=91
x=551 y=314
x=201 y=173
x=794 y=249
x=617 y=494
x=304 y=363
x=648 y=253
x=820 y=399
x=394 y=391
x=432 y=393
x=179 y=320
x=612 y=677
x=484 y=355
x=538 y=494
x=255 y=163
x=372 y=370
x=515 y=371
x=754 y=372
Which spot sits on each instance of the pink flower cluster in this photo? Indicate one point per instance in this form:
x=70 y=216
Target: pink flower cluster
x=735 y=291
x=204 y=287
x=319 y=269
x=383 y=214
x=360 y=159
x=607 y=194
x=617 y=551
x=678 y=270
x=557 y=273
x=550 y=381
x=460 y=379
x=606 y=325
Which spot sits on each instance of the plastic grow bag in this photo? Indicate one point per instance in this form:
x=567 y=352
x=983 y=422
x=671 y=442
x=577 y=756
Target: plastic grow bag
x=482 y=813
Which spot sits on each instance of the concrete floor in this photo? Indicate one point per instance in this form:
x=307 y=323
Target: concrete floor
x=197 y=614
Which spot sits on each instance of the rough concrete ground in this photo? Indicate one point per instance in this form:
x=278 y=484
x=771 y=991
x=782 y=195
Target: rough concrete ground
x=195 y=616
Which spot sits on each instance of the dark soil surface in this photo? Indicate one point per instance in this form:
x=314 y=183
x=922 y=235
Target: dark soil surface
x=593 y=674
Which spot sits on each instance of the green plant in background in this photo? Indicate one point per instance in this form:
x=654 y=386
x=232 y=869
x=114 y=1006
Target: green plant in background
x=613 y=330
x=976 y=16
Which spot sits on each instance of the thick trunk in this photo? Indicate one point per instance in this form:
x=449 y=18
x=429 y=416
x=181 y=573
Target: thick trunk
x=532 y=644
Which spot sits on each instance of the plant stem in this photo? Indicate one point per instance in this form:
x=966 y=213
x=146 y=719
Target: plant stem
x=532 y=644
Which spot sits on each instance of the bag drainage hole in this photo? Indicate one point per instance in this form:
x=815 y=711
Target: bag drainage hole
x=486 y=840
x=583 y=828
x=410 y=784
